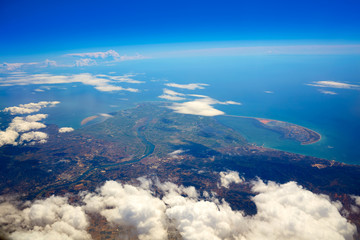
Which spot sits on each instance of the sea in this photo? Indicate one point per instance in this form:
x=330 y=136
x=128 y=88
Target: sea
x=276 y=87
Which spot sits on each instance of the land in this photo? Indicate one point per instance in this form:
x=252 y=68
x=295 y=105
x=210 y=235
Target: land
x=151 y=140
x=287 y=130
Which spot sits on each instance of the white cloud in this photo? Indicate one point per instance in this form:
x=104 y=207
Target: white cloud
x=22 y=124
x=8 y=137
x=333 y=84
x=357 y=199
x=284 y=211
x=269 y=92
x=124 y=78
x=39 y=90
x=228 y=177
x=172 y=95
x=18 y=124
x=51 y=218
x=85 y=62
x=30 y=107
x=109 y=53
x=327 y=92
x=190 y=86
x=99 y=83
x=201 y=107
x=175 y=153
x=65 y=129
x=287 y=211
x=33 y=137
x=135 y=57
x=16 y=66
x=171 y=98
x=230 y=103
x=131 y=206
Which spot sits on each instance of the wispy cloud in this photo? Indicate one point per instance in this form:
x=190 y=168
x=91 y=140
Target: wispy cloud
x=81 y=60
x=172 y=95
x=105 y=84
x=334 y=84
x=109 y=53
x=269 y=92
x=16 y=66
x=190 y=86
x=85 y=62
x=327 y=92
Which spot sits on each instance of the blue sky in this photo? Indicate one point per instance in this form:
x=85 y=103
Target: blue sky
x=38 y=27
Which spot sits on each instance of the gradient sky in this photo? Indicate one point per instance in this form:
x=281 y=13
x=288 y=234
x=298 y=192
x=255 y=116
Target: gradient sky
x=42 y=26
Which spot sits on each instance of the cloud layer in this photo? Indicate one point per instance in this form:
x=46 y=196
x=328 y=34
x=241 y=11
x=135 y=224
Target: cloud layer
x=51 y=218
x=190 y=86
x=334 y=84
x=284 y=211
x=30 y=107
x=21 y=129
x=104 y=83
x=203 y=106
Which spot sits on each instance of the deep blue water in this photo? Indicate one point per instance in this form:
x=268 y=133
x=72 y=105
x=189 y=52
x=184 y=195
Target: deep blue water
x=242 y=79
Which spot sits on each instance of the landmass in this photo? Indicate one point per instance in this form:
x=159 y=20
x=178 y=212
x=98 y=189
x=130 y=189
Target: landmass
x=287 y=130
x=152 y=140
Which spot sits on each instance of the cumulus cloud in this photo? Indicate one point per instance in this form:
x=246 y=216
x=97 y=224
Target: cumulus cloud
x=129 y=205
x=327 y=92
x=30 y=107
x=287 y=211
x=333 y=84
x=190 y=86
x=201 y=106
x=106 y=84
x=33 y=137
x=51 y=218
x=8 y=137
x=25 y=125
x=228 y=177
x=18 y=124
x=65 y=129
x=284 y=211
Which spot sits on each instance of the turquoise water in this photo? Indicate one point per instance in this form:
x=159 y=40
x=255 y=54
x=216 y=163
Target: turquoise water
x=242 y=79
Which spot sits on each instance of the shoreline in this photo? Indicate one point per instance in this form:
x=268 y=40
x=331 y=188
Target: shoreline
x=265 y=120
